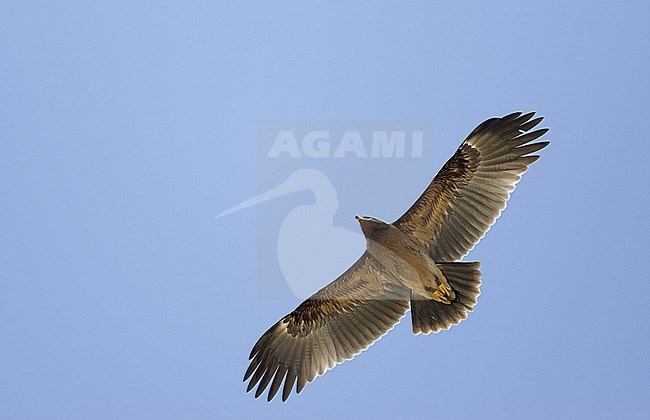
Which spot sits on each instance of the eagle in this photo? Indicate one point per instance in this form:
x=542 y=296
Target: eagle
x=413 y=263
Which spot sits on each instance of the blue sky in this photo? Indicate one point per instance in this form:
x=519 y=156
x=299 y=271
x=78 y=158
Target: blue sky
x=127 y=126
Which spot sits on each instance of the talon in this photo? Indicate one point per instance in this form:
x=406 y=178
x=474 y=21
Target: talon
x=444 y=294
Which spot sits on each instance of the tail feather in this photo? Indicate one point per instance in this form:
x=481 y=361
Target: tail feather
x=428 y=315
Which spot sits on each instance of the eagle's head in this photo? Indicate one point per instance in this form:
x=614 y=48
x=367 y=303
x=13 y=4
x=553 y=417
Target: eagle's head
x=371 y=226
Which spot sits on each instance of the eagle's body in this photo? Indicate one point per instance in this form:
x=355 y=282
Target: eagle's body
x=405 y=260
x=412 y=263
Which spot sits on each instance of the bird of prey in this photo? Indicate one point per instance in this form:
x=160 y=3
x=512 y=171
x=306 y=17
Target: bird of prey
x=412 y=263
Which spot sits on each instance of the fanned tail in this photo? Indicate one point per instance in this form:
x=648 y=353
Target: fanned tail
x=428 y=315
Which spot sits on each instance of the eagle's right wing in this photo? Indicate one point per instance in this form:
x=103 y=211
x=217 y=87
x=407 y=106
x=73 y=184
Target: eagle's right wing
x=335 y=324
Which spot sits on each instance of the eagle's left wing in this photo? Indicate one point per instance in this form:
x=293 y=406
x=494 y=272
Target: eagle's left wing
x=333 y=325
x=468 y=194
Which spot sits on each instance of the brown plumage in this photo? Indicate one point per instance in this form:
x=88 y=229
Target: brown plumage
x=411 y=263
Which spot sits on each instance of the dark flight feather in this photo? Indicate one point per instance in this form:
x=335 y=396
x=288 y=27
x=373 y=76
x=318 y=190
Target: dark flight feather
x=472 y=188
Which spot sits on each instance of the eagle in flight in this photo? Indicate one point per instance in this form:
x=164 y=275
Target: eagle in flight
x=412 y=263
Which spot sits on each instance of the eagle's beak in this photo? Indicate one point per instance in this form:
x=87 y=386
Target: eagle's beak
x=357 y=217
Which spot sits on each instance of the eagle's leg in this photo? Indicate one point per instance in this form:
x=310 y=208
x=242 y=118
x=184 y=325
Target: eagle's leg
x=437 y=288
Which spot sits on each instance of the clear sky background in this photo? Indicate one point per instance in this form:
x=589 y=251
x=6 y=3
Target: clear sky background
x=126 y=127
